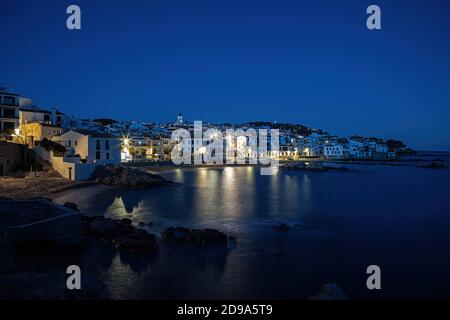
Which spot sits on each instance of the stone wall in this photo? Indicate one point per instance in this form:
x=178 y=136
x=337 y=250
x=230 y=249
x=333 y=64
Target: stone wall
x=12 y=156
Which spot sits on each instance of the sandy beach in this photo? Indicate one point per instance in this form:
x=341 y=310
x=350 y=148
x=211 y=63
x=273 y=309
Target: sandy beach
x=25 y=188
x=51 y=185
x=79 y=195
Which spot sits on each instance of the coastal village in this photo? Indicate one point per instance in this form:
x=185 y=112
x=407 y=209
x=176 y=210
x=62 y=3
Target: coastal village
x=74 y=147
x=45 y=151
x=224 y=159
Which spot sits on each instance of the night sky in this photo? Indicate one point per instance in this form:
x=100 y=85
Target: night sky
x=308 y=62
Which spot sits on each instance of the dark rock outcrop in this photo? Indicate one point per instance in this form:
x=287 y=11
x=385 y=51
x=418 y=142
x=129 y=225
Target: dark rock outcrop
x=433 y=165
x=126 y=221
x=279 y=253
x=42 y=224
x=122 y=234
x=35 y=223
x=281 y=227
x=118 y=175
x=108 y=228
x=72 y=206
x=197 y=237
x=137 y=241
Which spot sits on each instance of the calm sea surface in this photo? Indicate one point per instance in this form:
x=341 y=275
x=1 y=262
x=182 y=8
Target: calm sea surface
x=339 y=223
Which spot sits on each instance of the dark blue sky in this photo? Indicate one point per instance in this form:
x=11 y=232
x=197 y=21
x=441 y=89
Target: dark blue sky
x=308 y=62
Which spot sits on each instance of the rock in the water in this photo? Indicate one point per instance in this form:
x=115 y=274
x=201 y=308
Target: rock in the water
x=137 y=241
x=330 y=291
x=103 y=227
x=207 y=237
x=108 y=228
x=122 y=233
x=279 y=253
x=123 y=229
x=126 y=221
x=433 y=165
x=294 y=166
x=71 y=205
x=118 y=175
x=178 y=234
x=197 y=237
x=281 y=227
x=88 y=219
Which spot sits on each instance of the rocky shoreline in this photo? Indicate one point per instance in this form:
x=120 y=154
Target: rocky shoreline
x=433 y=165
x=197 y=237
x=127 y=177
x=39 y=225
x=50 y=184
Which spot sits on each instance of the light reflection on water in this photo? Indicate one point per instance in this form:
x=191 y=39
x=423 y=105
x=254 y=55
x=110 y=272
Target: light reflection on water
x=212 y=195
x=339 y=222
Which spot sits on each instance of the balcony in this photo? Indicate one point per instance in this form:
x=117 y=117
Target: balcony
x=7 y=113
x=9 y=102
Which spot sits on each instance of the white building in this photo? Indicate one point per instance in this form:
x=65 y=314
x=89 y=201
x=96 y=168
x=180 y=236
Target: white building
x=91 y=146
x=180 y=120
x=355 y=147
x=311 y=145
x=367 y=148
x=10 y=103
x=155 y=149
x=33 y=114
x=381 y=147
x=334 y=150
